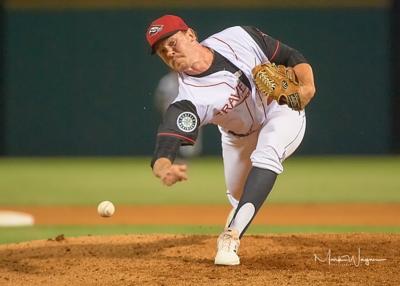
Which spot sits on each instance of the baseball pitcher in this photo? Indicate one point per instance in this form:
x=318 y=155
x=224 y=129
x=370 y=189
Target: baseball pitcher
x=255 y=88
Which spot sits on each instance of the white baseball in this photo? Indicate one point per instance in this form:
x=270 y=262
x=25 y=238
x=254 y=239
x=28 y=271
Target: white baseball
x=106 y=209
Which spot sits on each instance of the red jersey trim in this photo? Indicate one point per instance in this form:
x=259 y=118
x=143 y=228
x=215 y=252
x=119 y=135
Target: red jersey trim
x=276 y=51
x=176 y=135
x=228 y=46
x=183 y=80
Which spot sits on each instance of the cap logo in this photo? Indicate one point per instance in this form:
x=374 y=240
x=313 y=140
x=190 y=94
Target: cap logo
x=155 y=29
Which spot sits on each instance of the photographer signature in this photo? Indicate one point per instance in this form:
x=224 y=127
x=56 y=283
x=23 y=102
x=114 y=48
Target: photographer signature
x=355 y=260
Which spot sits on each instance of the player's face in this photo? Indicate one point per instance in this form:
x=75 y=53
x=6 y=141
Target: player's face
x=176 y=50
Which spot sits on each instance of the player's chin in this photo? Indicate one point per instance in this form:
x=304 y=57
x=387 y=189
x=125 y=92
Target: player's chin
x=180 y=66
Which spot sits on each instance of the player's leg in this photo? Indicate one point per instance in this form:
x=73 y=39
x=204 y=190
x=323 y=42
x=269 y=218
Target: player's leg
x=236 y=153
x=237 y=164
x=278 y=139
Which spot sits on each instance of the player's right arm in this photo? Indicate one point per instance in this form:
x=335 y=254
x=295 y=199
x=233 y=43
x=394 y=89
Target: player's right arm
x=180 y=127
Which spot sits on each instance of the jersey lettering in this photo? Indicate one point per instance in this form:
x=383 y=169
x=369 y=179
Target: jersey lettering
x=242 y=93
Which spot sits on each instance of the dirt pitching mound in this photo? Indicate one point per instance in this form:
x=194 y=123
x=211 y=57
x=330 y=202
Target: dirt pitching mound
x=328 y=259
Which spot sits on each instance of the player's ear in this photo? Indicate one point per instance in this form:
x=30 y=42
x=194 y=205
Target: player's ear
x=192 y=34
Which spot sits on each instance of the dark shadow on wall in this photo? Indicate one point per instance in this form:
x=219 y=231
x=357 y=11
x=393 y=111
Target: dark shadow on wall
x=395 y=24
x=81 y=82
x=2 y=90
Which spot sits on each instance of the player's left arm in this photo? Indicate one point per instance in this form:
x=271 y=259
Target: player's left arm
x=305 y=76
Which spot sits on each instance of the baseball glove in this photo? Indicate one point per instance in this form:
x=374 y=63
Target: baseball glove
x=278 y=82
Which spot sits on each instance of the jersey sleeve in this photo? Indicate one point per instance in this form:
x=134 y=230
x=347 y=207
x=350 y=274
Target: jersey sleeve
x=179 y=127
x=276 y=51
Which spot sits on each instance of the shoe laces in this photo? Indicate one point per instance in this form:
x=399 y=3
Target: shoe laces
x=229 y=240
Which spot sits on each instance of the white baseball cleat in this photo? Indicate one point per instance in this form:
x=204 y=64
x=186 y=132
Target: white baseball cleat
x=227 y=247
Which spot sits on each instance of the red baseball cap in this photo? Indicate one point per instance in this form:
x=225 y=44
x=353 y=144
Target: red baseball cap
x=164 y=27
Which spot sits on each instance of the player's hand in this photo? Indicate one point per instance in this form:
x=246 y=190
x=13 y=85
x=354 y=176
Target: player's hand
x=175 y=173
x=169 y=173
x=307 y=93
x=305 y=76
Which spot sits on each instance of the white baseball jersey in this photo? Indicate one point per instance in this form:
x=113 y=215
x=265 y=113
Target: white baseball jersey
x=222 y=98
x=254 y=133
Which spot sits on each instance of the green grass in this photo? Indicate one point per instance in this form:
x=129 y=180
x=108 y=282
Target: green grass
x=20 y=234
x=340 y=179
x=86 y=181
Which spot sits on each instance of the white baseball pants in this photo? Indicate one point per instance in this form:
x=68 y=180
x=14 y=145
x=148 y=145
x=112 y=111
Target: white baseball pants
x=277 y=139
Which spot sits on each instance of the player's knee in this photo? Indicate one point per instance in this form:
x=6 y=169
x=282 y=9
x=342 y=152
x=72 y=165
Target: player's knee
x=268 y=158
x=234 y=201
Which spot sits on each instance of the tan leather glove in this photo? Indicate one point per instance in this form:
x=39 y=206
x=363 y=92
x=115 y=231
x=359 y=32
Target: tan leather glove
x=279 y=83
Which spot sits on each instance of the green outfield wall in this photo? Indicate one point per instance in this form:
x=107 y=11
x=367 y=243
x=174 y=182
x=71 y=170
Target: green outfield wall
x=81 y=82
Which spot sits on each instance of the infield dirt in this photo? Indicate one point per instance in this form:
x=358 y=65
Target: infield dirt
x=328 y=259
x=297 y=259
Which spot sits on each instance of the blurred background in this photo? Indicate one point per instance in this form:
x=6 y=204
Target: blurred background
x=77 y=78
x=77 y=102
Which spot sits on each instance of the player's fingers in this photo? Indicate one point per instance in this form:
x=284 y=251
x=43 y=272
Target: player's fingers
x=168 y=182
x=182 y=173
x=183 y=177
x=178 y=177
x=166 y=179
x=176 y=174
x=183 y=168
x=171 y=179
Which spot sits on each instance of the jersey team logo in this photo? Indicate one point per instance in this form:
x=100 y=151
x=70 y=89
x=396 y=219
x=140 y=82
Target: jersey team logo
x=187 y=121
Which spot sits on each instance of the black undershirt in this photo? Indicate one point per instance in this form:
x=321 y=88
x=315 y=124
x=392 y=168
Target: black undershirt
x=276 y=51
